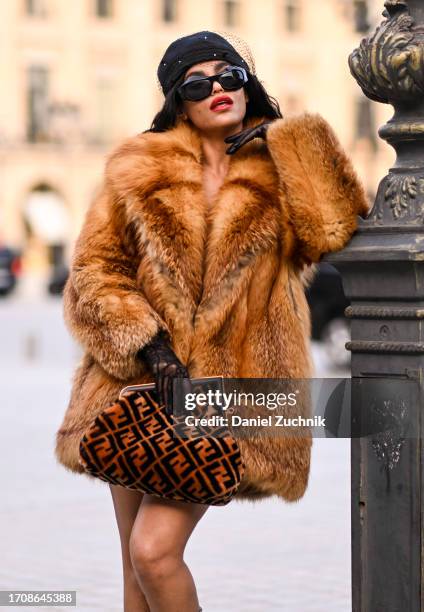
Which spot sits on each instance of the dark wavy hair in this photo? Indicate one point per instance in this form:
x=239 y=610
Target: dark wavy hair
x=260 y=104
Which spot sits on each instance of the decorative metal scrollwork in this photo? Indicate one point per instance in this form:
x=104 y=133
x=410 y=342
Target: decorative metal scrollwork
x=389 y=65
x=394 y=5
x=399 y=191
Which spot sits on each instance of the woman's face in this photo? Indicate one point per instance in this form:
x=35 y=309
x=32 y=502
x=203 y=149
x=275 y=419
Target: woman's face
x=203 y=114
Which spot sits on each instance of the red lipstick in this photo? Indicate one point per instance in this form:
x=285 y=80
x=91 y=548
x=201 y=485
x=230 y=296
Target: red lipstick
x=221 y=102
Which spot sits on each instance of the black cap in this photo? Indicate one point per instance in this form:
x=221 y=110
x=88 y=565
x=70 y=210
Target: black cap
x=192 y=49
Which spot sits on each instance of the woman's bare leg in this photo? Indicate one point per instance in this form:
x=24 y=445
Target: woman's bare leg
x=158 y=539
x=126 y=504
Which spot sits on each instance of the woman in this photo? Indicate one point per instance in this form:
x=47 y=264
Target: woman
x=192 y=261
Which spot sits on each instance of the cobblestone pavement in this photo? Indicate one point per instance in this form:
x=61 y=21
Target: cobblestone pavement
x=58 y=531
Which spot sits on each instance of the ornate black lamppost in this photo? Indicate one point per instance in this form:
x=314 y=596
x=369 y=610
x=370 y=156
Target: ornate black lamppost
x=383 y=276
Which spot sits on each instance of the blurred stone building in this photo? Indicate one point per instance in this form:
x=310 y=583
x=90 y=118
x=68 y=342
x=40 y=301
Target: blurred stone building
x=79 y=76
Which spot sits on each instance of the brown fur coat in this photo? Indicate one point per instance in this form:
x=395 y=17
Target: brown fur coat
x=227 y=284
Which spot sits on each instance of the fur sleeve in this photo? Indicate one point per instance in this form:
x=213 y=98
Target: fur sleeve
x=320 y=192
x=103 y=308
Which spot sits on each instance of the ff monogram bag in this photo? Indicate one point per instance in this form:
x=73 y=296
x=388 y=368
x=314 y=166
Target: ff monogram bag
x=135 y=443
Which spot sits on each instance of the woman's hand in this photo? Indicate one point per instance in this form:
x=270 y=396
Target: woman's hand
x=165 y=366
x=240 y=139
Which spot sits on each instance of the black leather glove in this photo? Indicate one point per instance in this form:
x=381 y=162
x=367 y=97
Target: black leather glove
x=241 y=138
x=164 y=364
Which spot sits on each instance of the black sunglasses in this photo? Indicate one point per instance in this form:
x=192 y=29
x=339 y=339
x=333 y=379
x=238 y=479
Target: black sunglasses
x=198 y=88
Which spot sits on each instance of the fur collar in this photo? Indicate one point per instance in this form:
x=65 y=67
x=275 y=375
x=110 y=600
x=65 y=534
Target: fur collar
x=205 y=251
x=139 y=164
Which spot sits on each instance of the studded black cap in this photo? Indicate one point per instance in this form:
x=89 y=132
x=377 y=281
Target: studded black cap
x=192 y=49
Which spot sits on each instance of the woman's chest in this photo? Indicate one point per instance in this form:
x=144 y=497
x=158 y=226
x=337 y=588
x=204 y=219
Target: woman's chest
x=211 y=184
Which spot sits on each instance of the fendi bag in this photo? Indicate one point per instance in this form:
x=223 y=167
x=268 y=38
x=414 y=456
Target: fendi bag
x=137 y=444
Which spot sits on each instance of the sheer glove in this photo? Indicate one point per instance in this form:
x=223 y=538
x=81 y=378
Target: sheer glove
x=164 y=364
x=241 y=138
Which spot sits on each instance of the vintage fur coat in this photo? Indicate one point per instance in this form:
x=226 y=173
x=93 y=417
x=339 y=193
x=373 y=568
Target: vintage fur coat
x=227 y=283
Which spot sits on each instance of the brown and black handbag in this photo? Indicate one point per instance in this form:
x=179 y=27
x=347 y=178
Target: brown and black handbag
x=136 y=443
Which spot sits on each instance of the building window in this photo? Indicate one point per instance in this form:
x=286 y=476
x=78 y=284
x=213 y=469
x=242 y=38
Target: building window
x=104 y=8
x=292 y=15
x=37 y=104
x=169 y=10
x=35 y=8
x=361 y=16
x=64 y=122
x=231 y=13
x=105 y=110
x=365 y=121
